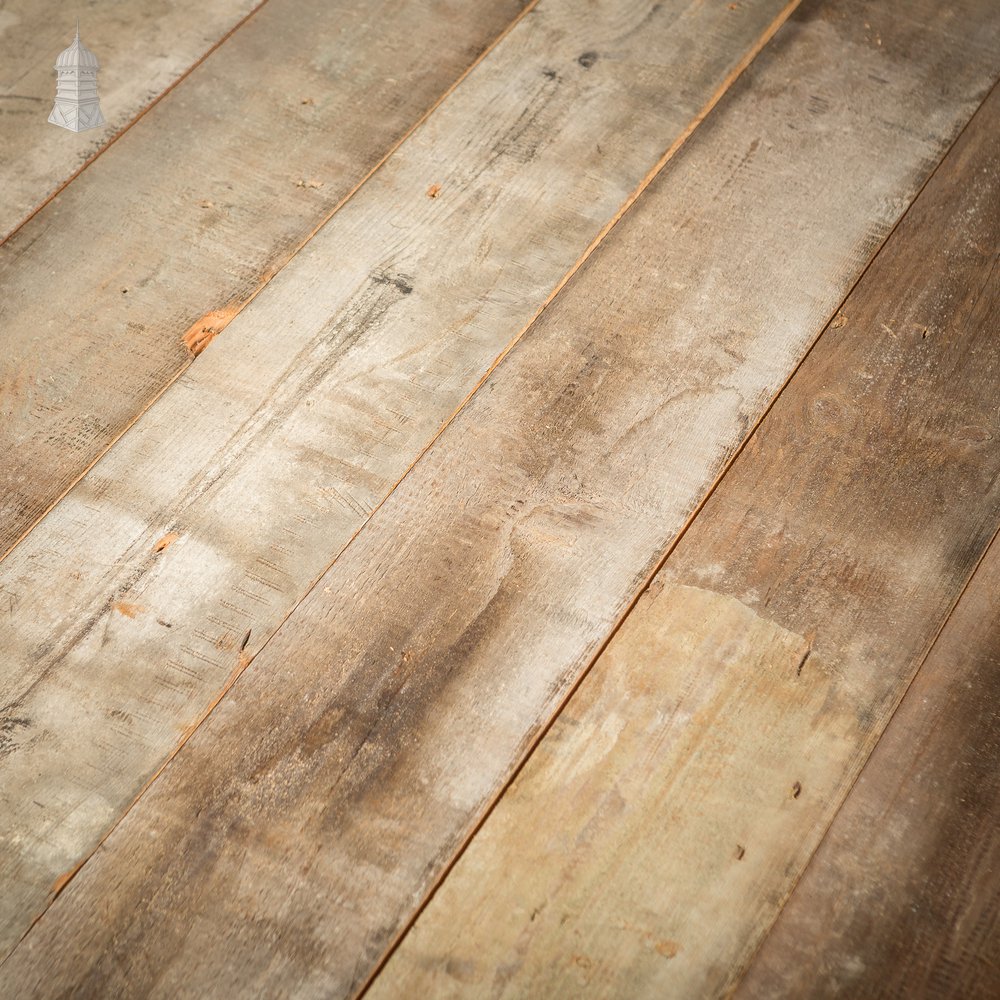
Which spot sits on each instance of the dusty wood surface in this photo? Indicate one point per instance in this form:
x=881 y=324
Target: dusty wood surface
x=623 y=859
x=142 y=47
x=132 y=606
x=903 y=896
x=116 y=282
x=298 y=828
x=652 y=837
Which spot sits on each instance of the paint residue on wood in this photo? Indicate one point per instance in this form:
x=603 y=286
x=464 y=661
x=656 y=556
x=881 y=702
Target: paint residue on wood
x=166 y=541
x=127 y=608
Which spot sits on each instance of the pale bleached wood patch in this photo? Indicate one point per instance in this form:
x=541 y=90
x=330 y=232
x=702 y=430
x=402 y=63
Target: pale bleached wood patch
x=112 y=288
x=270 y=453
x=613 y=865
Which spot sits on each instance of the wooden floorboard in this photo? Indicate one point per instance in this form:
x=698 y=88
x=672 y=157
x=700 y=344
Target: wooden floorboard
x=902 y=899
x=135 y=603
x=297 y=830
x=652 y=837
x=113 y=287
x=142 y=49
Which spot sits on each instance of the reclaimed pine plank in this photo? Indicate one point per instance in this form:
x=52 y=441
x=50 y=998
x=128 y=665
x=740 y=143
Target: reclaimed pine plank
x=119 y=281
x=903 y=896
x=650 y=840
x=288 y=842
x=134 y=605
x=143 y=49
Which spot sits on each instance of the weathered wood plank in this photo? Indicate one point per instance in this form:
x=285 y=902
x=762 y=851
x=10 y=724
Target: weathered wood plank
x=135 y=603
x=110 y=289
x=650 y=840
x=903 y=896
x=289 y=840
x=143 y=49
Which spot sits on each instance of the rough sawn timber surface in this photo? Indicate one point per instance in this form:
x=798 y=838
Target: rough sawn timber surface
x=143 y=48
x=651 y=838
x=131 y=607
x=116 y=283
x=916 y=910
x=297 y=829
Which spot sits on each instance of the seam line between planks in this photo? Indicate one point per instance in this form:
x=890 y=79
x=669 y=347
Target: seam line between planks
x=142 y=112
x=543 y=732
x=187 y=362
x=241 y=666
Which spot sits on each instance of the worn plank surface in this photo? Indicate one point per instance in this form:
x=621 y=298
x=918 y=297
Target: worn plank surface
x=299 y=826
x=142 y=48
x=903 y=896
x=650 y=840
x=135 y=603
x=116 y=282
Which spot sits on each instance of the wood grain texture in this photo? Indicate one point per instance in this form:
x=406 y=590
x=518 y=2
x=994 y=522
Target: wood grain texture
x=262 y=461
x=143 y=49
x=902 y=899
x=112 y=288
x=624 y=861
x=290 y=839
x=650 y=840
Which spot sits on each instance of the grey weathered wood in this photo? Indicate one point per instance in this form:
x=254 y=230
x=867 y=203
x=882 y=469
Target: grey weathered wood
x=651 y=838
x=143 y=49
x=136 y=602
x=291 y=837
x=903 y=896
x=111 y=289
